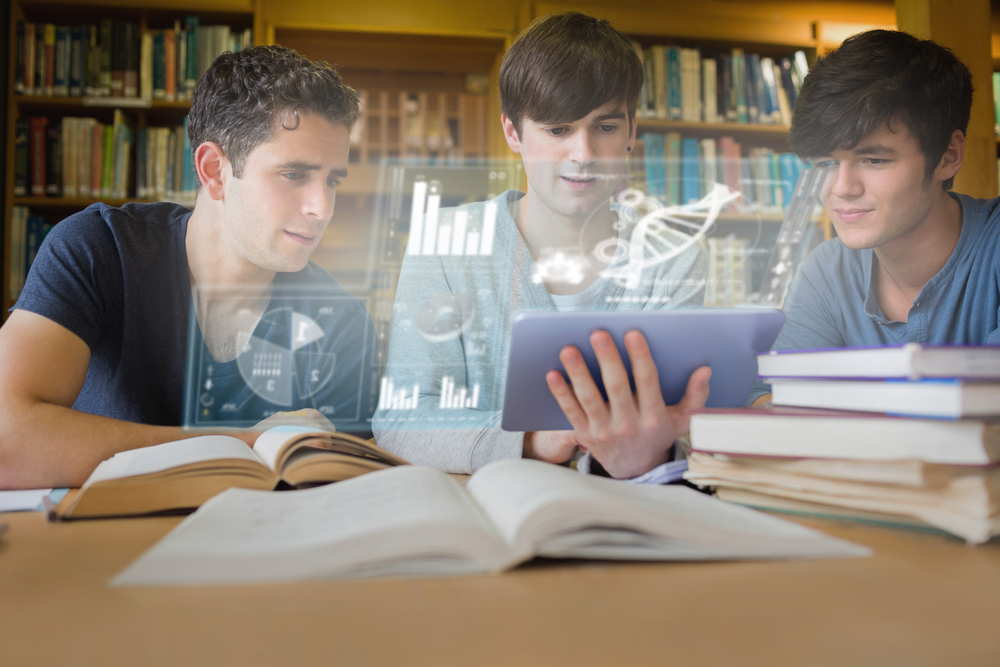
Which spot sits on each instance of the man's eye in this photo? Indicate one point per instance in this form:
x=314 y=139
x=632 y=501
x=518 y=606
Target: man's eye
x=825 y=163
x=556 y=131
x=877 y=162
x=293 y=175
x=333 y=182
x=607 y=129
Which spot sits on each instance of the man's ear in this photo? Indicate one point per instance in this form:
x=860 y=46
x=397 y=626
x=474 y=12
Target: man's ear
x=952 y=159
x=510 y=133
x=210 y=164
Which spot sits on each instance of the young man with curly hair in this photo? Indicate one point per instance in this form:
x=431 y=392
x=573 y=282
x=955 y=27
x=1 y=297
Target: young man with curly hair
x=92 y=359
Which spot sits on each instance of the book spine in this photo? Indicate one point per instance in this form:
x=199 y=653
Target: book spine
x=788 y=83
x=117 y=59
x=107 y=153
x=38 y=170
x=672 y=168
x=19 y=53
x=645 y=103
x=22 y=157
x=84 y=141
x=68 y=158
x=107 y=32
x=53 y=160
x=709 y=90
x=170 y=65
x=76 y=61
x=188 y=159
x=191 y=42
x=30 y=47
x=660 y=81
x=141 y=173
x=130 y=73
x=772 y=84
x=690 y=186
x=96 y=159
x=49 y=71
x=146 y=66
x=753 y=104
x=740 y=86
x=180 y=64
x=675 y=108
x=60 y=80
x=33 y=236
x=159 y=66
x=92 y=54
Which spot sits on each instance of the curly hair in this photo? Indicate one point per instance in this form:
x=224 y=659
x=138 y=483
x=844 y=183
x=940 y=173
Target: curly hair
x=564 y=66
x=878 y=78
x=244 y=97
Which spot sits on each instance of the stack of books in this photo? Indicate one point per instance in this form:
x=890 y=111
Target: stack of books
x=899 y=435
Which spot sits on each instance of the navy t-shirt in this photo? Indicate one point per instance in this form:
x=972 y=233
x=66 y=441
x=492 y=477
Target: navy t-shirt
x=118 y=279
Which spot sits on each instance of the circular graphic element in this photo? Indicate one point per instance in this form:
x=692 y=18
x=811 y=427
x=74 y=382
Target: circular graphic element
x=445 y=316
x=287 y=368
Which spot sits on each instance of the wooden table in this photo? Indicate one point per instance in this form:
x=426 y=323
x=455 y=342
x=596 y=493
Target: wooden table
x=923 y=599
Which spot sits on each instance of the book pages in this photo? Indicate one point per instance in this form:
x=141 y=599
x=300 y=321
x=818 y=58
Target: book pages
x=157 y=458
x=407 y=520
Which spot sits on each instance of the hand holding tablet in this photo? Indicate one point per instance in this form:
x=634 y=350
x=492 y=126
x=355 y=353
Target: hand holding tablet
x=627 y=408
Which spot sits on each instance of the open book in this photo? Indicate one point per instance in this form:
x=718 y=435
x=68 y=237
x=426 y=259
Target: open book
x=417 y=521
x=182 y=475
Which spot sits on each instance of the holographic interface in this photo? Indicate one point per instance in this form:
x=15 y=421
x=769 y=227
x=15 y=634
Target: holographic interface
x=449 y=267
x=306 y=349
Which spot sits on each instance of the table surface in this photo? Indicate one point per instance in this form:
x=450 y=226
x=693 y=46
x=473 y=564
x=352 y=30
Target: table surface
x=922 y=599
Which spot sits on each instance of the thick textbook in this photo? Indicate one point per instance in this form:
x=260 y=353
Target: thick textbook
x=964 y=501
x=912 y=360
x=919 y=398
x=417 y=521
x=801 y=432
x=182 y=475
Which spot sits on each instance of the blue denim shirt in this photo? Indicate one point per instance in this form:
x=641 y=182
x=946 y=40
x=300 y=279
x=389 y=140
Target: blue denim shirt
x=831 y=302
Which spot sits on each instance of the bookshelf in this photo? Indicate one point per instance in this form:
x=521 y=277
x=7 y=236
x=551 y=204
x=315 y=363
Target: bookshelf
x=140 y=108
x=424 y=96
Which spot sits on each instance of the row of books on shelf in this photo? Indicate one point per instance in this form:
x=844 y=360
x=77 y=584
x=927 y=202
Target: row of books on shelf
x=72 y=157
x=906 y=436
x=735 y=87
x=27 y=232
x=83 y=158
x=681 y=170
x=115 y=59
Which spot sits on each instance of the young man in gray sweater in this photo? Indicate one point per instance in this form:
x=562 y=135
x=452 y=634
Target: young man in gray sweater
x=569 y=87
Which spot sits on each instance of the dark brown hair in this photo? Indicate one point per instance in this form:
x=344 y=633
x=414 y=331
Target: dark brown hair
x=244 y=97
x=878 y=78
x=566 y=65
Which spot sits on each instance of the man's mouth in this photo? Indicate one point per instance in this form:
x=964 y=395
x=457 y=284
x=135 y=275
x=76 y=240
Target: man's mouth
x=301 y=238
x=845 y=214
x=579 y=182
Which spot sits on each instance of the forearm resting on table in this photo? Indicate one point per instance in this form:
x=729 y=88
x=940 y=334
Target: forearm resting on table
x=44 y=445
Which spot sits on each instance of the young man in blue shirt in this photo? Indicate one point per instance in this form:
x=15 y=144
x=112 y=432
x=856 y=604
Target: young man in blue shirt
x=92 y=359
x=912 y=261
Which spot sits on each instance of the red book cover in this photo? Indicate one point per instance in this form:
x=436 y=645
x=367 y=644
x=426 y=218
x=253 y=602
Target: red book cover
x=50 y=58
x=37 y=141
x=170 y=61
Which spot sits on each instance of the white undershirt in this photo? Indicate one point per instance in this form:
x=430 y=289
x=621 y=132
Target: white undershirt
x=585 y=300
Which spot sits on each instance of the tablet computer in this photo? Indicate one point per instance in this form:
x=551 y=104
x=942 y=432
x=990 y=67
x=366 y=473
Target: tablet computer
x=679 y=340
